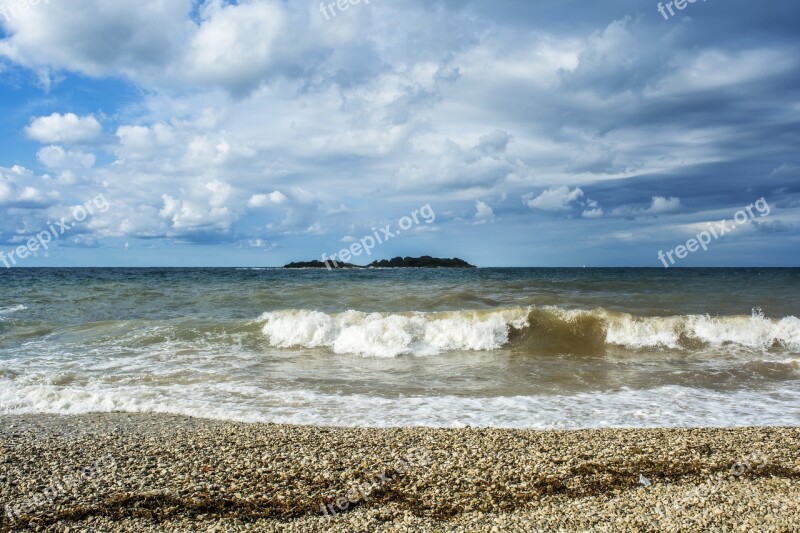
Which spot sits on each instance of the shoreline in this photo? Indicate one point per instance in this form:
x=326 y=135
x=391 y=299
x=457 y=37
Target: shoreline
x=134 y=472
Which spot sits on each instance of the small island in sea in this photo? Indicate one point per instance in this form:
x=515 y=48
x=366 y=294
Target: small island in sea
x=320 y=264
x=425 y=261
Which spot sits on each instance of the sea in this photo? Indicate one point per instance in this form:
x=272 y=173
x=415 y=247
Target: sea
x=514 y=348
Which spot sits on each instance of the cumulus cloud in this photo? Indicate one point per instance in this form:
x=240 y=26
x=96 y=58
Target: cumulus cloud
x=68 y=128
x=593 y=210
x=659 y=205
x=202 y=213
x=263 y=200
x=133 y=38
x=553 y=199
x=235 y=46
x=187 y=217
x=261 y=244
x=142 y=142
x=57 y=157
x=483 y=213
x=664 y=205
x=20 y=188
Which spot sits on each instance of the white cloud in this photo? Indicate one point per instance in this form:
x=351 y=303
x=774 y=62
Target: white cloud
x=664 y=205
x=65 y=129
x=553 y=199
x=188 y=216
x=484 y=165
x=483 y=213
x=593 y=210
x=659 y=205
x=341 y=210
x=260 y=243
x=263 y=200
x=718 y=70
x=203 y=211
x=140 y=142
x=20 y=188
x=58 y=158
x=137 y=39
x=235 y=46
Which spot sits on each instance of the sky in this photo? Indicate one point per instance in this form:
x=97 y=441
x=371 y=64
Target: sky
x=507 y=133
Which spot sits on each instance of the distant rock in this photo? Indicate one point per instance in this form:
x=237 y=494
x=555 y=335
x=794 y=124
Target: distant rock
x=320 y=264
x=425 y=261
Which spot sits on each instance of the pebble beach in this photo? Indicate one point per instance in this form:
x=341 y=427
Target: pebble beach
x=129 y=472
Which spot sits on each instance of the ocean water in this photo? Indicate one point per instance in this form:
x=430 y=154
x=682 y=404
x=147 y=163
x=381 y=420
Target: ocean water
x=527 y=348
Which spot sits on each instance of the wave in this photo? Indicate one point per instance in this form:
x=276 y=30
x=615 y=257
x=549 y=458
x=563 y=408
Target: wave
x=391 y=335
x=4 y=311
x=538 y=330
x=668 y=406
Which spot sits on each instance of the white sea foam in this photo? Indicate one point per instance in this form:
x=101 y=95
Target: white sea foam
x=4 y=311
x=754 y=332
x=669 y=406
x=634 y=332
x=423 y=334
x=391 y=335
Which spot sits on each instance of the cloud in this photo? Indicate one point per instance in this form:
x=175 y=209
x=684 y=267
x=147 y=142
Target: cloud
x=664 y=205
x=786 y=169
x=235 y=46
x=467 y=164
x=19 y=188
x=57 y=157
x=262 y=200
x=494 y=142
x=65 y=129
x=659 y=205
x=212 y=105
x=137 y=39
x=260 y=243
x=188 y=45
x=203 y=213
x=553 y=199
x=142 y=142
x=483 y=213
x=316 y=229
x=592 y=211
x=774 y=226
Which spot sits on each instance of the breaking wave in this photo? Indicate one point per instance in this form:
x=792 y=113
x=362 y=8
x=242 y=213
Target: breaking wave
x=5 y=311
x=13 y=309
x=539 y=330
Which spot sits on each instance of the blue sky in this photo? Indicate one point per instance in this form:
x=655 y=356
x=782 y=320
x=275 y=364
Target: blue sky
x=540 y=132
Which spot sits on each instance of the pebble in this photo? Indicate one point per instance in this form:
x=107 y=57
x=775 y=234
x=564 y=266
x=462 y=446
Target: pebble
x=170 y=473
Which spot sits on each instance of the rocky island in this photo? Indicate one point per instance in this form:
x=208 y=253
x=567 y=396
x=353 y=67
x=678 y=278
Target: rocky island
x=425 y=261
x=320 y=264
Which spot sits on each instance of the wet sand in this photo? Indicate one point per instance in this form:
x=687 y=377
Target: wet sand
x=123 y=472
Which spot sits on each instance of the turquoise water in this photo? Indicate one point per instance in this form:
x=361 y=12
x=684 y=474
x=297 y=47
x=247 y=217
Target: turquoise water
x=489 y=347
